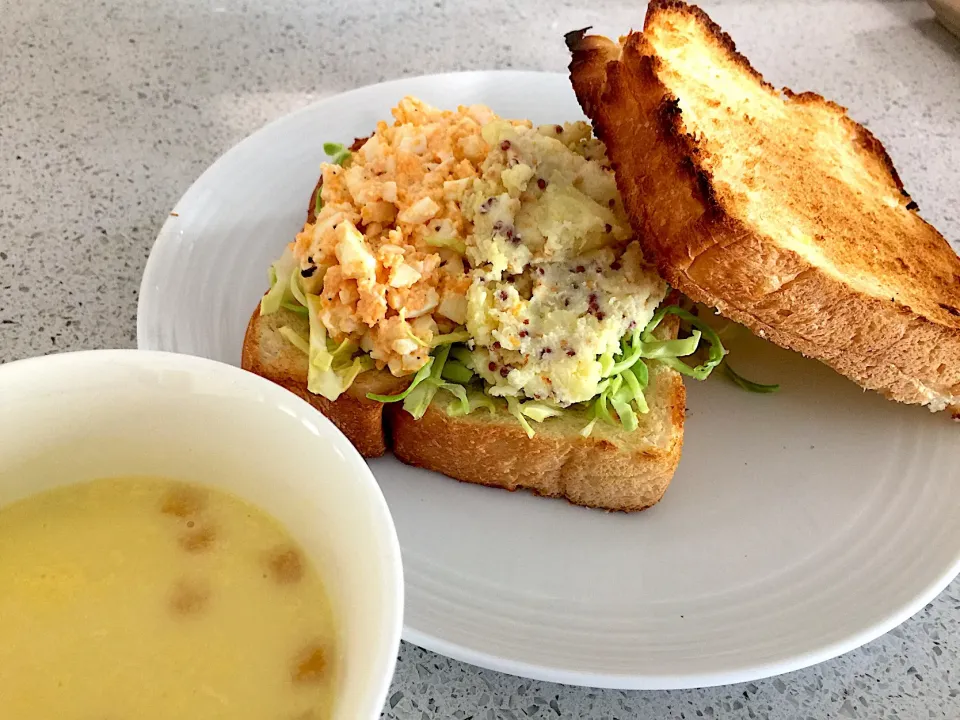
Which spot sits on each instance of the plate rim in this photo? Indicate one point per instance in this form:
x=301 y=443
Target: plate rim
x=146 y=340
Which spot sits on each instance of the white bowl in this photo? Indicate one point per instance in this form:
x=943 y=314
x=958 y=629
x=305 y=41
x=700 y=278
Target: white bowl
x=81 y=416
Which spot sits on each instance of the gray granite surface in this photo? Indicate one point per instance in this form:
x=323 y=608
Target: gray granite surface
x=110 y=108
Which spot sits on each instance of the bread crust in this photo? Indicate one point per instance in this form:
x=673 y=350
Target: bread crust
x=703 y=245
x=589 y=471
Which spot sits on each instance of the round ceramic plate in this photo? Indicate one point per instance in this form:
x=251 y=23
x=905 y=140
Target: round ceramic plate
x=799 y=525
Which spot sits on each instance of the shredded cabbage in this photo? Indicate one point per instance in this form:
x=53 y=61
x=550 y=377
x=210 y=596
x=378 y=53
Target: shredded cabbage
x=330 y=372
x=538 y=411
x=280 y=292
x=296 y=339
x=513 y=405
x=714 y=354
x=294 y=307
x=295 y=288
x=418 y=402
x=475 y=401
x=455 y=371
x=749 y=385
x=450 y=338
x=459 y=392
x=339 y=155
x=657 y=349
x=422 y=374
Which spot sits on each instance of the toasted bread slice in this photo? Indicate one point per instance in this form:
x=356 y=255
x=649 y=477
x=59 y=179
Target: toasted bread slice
x=611 y=469
x=775 y=208
x=268 y=354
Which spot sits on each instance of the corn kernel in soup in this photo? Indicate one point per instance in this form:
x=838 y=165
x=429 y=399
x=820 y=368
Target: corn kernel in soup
x=151 y=599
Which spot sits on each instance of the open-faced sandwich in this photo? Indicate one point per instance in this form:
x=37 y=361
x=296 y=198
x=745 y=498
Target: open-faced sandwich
x=468 y=291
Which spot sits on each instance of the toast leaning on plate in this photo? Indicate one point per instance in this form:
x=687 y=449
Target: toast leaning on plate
x=774 y=207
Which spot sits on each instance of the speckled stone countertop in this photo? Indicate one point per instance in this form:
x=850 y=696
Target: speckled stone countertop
x=110 y=108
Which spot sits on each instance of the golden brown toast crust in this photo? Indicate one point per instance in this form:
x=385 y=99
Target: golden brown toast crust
x=590 y=471
x=701 y=234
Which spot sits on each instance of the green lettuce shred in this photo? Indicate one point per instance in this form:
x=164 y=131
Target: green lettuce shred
x=296 y=339
x=627 y=374
x=715 y=352
x=339 y=155
x=294 y=307
x=456 y=371
x=539 y=411
x=422 y=374
x=748 y=385
x=457 y=336
x=476 y=400
x=280 y=291
x=513 y=405
x=417 y=402
x=295 y=289
x=330 y=373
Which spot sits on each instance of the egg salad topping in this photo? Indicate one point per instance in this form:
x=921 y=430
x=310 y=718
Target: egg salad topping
x=481 y=256
x=381 y=255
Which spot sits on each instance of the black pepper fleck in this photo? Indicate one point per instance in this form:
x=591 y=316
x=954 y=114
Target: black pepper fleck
x=307 y=272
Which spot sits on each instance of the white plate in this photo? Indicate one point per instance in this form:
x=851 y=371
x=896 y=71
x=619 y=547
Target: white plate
x=799 y=525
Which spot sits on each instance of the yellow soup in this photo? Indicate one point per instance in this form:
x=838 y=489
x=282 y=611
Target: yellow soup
x=135 y=599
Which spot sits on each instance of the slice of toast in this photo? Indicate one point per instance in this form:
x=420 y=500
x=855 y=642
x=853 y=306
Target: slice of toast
x=268 y=354
x=776 y=208
x=612 y=469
